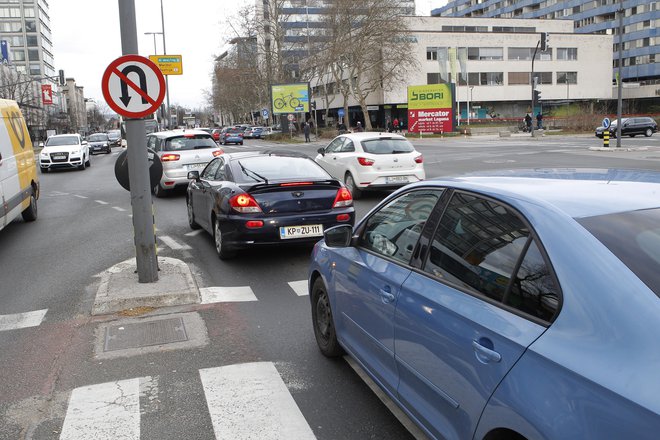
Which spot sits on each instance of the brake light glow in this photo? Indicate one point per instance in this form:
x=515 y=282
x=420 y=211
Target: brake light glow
x=244 y=203
x=365 y=162
x=169 y=157
x=419 y=159
x=343 y=217
x=217 y=153
x=188 y=135
x=254 y=224
x=296 y=183
x=344 y=198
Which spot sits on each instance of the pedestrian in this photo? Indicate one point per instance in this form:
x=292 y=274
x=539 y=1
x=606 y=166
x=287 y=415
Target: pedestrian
x=388 y=124
x=395 y=123
x=539 y=121
x=359 y=127
x=306 y=131
x=528 y=122
x=342 y=128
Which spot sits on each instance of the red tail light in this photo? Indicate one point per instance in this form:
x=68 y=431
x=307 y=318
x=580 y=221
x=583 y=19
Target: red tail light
x=365 y=162
x=343 y=217
x=169 y=157
x=419 y=159
x=240 y=134
x=254 y=224
x=245 y=204
x=344 y=198
x=296 y=183
x=217 y=153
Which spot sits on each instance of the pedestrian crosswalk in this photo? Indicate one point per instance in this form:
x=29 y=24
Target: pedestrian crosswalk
x=22 y=320
x=244 y=401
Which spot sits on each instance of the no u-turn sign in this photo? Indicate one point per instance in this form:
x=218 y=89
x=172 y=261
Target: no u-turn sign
x=133 y=86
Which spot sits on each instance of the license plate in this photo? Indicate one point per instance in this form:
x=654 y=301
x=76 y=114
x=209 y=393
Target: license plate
x=59 y=157
x=301 y=231
x=195 y=166
x=397 y=179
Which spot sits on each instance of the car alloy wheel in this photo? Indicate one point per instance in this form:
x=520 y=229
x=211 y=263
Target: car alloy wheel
x=352 y=187
x=220 y=245
x=324 y=328
x=648 y=132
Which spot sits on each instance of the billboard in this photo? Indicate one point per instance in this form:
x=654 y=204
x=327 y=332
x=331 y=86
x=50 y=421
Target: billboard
x=290 y=98
x=430 y=108
x=46 y=94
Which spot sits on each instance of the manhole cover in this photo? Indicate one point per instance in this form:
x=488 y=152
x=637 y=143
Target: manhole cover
x=144 y=334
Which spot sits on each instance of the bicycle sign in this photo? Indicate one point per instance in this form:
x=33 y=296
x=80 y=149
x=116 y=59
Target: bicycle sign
x=290 y=98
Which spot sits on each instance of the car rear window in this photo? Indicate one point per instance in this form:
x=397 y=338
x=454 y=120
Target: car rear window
x=236 y=130
x=634 y=237
x=254 y=169
x=62 y=140
x=114 y=135
x=189 y=142
x=387 y=146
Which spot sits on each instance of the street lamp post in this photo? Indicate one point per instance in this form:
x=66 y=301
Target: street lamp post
x=167 y=82
x=154 y=34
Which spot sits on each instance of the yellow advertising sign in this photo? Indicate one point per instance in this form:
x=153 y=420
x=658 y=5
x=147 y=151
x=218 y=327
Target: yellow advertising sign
x=290 y=98
x=429 y=96
x=168 y=64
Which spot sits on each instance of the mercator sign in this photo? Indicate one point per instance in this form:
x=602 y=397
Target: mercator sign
x=430 y=108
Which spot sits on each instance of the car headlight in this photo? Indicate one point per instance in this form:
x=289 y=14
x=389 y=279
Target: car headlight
x=44 y=155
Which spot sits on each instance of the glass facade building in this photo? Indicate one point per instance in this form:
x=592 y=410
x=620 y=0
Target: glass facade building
x=640 y=37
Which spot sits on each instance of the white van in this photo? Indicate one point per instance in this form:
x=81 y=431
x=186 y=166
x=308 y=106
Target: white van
x=19 y=184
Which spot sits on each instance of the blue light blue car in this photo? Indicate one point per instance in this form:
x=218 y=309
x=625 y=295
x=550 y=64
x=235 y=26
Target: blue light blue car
x=515 y=305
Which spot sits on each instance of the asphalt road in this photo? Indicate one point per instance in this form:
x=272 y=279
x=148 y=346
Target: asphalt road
x=50 y=373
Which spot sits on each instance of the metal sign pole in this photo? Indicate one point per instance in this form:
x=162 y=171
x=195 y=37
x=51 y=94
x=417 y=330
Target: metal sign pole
x=138 y=164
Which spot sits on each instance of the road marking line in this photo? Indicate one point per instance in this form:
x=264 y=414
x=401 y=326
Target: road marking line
x=248 y=401
x=79 y=196
x=22 y=320
x=193 y=233
x=101 y=202
x=106 y=410
x=300 y=287
x=117 y=208
x=172 y=244
x=212 y=295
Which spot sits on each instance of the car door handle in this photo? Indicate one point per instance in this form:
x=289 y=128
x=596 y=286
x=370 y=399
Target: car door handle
x=486 y=354
x=386 y=295
x=334 y=158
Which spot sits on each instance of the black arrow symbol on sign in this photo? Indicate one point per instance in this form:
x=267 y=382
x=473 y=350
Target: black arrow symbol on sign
x=125 y=98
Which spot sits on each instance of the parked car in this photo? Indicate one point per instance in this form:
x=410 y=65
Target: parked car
x=181 y=151
x=265 y=199
x=215 y=133
x=631 y=127
x=64 y=151
x=495 y=306
x=372 y=161
x=99 y=142
x=231 y=135
x=114 y=138
x=252 y=132
x=256 y=132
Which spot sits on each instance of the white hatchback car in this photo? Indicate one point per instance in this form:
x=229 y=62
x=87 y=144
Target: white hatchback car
x=372 y=161
x=64 y=151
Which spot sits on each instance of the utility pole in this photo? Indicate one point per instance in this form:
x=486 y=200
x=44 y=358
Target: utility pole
x=533 y=86
x=138 y=164
x=167 y=80
x=619 y=79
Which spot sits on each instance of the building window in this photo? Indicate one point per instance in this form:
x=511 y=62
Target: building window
x=566 y=77
x=431 y=54
x=518 y=78
x=28 y=12
x=486 y=78
x=526 y=53
x=435 y=78
x=32 y=41
x=35 y=69
x=30 y=26
x=485 y=53
x=10 y=12
x=18 y=55
x=567 y=53
x=33 y=54
x=543 y=77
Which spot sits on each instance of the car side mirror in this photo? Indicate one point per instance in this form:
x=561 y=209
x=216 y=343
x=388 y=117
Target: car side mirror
x=84 y=142
x=338 y=236
x=321 y=151
x=193 y=175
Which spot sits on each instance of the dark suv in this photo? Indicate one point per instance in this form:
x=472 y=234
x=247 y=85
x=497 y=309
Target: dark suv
x=631 y=127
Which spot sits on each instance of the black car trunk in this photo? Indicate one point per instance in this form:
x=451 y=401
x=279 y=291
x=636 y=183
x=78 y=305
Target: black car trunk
x=293 y=197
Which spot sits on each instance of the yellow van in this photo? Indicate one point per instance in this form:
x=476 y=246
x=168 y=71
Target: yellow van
x=19 y=184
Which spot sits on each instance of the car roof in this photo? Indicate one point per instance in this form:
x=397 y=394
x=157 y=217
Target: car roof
x=366 y=135
x=179 y=132
x=576 y=192
x=63 y=135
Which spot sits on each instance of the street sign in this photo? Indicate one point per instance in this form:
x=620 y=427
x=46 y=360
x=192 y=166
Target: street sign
x=47 y=94
x=606 y=123
x=168 y=64
x=121 y=169
x=265 y=113
x=290 y=117
x=125 y=95
x=340 y=112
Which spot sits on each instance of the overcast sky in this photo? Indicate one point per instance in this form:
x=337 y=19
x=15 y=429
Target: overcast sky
x=86 y=39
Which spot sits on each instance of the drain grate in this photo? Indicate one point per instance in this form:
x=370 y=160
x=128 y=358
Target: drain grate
x=144 y=334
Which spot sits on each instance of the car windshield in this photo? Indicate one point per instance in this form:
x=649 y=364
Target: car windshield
x=255 y=169
x=634 y=237
x=387 y=146
x=189 y=142
x=98 y=137
x=62 y=140
x=114 y=135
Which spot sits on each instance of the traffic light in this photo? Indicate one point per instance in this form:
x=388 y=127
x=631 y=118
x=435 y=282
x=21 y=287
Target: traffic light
x=62 y=82
x=537 y=95
x=545 y=41
x=313 y=105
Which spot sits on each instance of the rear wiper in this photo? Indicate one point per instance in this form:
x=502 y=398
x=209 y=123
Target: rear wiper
x=197 y=147
x=251 y=173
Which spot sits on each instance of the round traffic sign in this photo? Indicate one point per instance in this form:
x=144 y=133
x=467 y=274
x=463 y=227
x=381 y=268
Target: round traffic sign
x=155 y=169
x=133 y=86
x=290 y=117
x=606 y=123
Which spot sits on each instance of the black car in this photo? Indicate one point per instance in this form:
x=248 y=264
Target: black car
x=631 y=127
x=265 y=199
x=114 y=138
x=99 y=142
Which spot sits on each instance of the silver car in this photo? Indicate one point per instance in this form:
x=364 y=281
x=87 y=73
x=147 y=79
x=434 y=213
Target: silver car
x=181 y=151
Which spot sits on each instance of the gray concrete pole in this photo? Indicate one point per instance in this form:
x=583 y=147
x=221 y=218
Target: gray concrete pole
x=138 y=164
x=619 y=104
